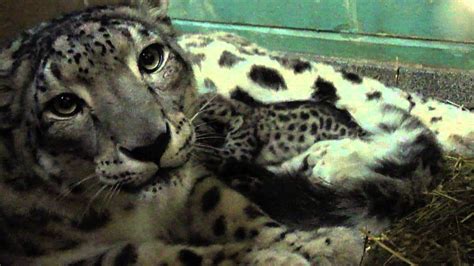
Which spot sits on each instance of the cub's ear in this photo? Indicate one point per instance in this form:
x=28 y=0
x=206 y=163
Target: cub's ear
x=157 y=9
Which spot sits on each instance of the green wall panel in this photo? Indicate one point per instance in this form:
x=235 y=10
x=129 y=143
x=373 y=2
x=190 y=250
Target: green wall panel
x=302 y=14
x=451 y=20
x=437 y=33
x=429 y=53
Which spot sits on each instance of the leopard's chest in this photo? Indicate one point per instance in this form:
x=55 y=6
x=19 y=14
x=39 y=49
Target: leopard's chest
x=36 y=223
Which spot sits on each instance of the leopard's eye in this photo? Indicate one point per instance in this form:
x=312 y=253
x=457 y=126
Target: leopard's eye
x=151 y=58
x=65 y=105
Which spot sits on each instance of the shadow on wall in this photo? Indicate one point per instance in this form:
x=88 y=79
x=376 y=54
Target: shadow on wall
x=451 y=23
x=16 y=16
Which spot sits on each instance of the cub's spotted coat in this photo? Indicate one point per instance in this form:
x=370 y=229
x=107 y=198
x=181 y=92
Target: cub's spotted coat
x=268 y=134
x=97 y=145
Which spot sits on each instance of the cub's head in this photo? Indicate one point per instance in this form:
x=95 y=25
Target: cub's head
x=102 y=93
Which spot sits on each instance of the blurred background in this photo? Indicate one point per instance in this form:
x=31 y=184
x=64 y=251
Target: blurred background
x=421 y=45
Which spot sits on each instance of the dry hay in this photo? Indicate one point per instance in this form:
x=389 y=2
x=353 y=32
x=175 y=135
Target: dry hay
x=441 y=232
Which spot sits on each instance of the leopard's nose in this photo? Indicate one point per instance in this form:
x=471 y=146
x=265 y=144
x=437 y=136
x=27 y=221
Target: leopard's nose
x=152 y=152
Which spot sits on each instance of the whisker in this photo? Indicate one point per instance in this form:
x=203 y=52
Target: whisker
x=67 y=191
x=209 y=157
x=200 y=124
x=93 y=198
x=203 y=146
x=107 y=197
x=101 y=206
x=191 y=108
x=91 y=187
x=209 y=121
x=205 y=155
x=202 y=108
x=209 y=137
x=62 y=195
x=82 y=180
x=117 y=190
x=208 y=153
x=197 y=157
x=114 y=192
x=196 y=115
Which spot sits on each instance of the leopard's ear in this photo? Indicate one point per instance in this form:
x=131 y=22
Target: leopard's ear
x=6 y=100
x=15 y=70
x=6 y=90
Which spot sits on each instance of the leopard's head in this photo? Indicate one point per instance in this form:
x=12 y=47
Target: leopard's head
x=100 y=93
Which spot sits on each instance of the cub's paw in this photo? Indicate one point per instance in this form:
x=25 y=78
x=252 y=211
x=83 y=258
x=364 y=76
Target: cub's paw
x=329 y=161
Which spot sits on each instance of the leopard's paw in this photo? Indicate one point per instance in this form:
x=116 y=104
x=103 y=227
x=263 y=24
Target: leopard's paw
x=463 y=145
x=275 y=257
x=334 y=246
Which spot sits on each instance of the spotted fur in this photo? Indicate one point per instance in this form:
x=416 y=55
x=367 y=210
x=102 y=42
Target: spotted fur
x=111 y=178
x=245 y=130
x=305 y=80
x=399 y=155
x=96 y=154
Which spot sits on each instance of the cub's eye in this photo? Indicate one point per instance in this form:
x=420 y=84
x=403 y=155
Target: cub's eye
x=65 y=105
x=151 y=58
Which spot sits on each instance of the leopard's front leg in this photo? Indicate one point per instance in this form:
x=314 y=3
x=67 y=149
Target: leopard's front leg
x=225 y=229
x=222 y=215
x=143 y=253
x=157 y=252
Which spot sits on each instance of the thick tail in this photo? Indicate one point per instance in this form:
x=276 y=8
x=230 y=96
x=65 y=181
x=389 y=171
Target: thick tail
x=298 y=203
x=402 y=147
